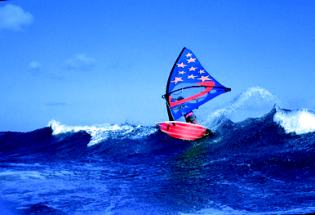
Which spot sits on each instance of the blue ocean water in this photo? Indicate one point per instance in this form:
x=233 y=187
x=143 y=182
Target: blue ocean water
x=262 y=165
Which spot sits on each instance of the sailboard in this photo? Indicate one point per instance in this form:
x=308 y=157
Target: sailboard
x=188 y=87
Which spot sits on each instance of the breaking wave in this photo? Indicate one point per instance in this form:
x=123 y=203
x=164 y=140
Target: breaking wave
x=253 y=102
x=100 y=133
x=297 y=122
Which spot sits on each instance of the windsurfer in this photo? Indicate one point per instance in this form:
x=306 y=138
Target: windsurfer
x=190 y=117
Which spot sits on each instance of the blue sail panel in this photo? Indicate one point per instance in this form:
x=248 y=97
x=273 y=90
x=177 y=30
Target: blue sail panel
x=189 y=85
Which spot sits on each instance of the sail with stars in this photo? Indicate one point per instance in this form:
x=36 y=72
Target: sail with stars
x=189 y=86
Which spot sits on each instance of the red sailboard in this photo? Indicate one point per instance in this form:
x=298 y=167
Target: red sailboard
x=183 y=130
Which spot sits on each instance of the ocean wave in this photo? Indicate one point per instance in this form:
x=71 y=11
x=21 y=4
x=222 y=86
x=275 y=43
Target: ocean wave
x=253 y=102
x=112 y=140
x=100 y=133
x=296 y=122
x=9 y=175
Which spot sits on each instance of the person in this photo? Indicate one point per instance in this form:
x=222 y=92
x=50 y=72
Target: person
x=190 y=117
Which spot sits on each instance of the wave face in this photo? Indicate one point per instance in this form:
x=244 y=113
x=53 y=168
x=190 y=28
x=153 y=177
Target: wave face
x=262 y=165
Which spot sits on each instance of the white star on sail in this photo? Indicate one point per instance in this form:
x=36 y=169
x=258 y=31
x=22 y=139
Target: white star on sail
x=177 y=79
x=181 y=65
x=201 y=71
x=192 y=76
x=188 y=55
x=192 y=68
x=181 y=72
x=191 y=60
x=204 y=78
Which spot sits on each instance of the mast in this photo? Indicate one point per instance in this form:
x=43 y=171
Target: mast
x=170 y=116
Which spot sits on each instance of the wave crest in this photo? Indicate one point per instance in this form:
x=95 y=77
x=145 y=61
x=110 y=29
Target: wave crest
x=101 y=132
x=254 y=102
x=297 y=122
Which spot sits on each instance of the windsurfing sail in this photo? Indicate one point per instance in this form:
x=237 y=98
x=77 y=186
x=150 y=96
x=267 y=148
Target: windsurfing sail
x=189 y=86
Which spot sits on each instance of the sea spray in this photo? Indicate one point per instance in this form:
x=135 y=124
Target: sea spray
x=254 y=102
x=101 y=132
x=297 y=122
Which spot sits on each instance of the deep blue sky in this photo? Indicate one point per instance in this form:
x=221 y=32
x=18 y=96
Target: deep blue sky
x=91 y=62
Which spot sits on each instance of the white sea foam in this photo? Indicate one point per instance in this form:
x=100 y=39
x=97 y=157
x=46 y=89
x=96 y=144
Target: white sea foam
x=297 y=122
x=22 y=174
x=101 y=132
x=221 y=210
x=226 y=210
x=254 y=102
